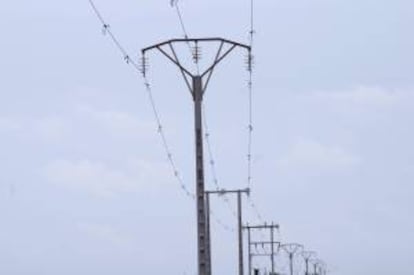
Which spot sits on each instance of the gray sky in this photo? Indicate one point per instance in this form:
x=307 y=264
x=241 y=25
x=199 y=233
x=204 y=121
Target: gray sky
x=85 y=187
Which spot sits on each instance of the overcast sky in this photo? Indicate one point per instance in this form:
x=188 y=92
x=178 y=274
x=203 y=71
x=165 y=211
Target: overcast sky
x=85 y=185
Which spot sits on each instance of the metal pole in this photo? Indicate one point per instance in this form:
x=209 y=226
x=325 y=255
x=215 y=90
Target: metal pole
x=240 y=221
x=209 y=266
x=291 y=263
x=201 y=211
x=307 y=266
x=249 y=239
x=272 y=244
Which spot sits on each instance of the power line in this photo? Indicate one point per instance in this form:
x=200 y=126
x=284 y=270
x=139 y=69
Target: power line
x=174 y=4
x=250 y=87
x=106 y=30
x=250 y=127
x=212 y=163
x=252 y=25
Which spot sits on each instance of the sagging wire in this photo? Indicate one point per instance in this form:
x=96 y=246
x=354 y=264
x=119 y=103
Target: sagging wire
x=106 y=30
x=212 y=162
x=221 y=223
x=165 y=142
x=250 y=128
x=160 y=130
x=174 y=4
x=252 y=31
x=250 y=59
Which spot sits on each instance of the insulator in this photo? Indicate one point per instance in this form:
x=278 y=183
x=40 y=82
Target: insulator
x=143 y=66
x=196 y=51
x=249 y=62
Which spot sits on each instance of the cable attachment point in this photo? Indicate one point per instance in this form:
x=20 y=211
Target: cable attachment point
x=143 y=66
x=252 y=33
x=127 y=59
x=105 y=29
x=196 y=52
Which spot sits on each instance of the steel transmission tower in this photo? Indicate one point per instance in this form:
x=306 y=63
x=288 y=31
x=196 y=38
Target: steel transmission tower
x=307 y=256
x=316 y=266
x=197 y=83
x=319 y=267
x=292 y=249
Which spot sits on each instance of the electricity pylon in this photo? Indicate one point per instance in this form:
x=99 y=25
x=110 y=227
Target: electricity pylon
x=272 y=243
x=319 y=267
x=265 y=254
x=197 y=84
x=292 y=249
x=239 y=220
x=307 y=256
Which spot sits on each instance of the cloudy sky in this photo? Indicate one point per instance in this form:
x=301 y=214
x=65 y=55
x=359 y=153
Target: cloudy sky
x=85 y=185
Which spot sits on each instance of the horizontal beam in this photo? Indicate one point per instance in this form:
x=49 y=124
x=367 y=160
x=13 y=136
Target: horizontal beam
x=264 y=243
x=261 y=254
x=196 y=40
x=223 y=191
x=265 y=226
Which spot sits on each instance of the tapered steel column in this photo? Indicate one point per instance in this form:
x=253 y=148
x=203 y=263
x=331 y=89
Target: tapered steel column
x=307 y=267
x=249 y=240
x=272 y=245
x=209 y=264
x=240 y=227
x=201 y=211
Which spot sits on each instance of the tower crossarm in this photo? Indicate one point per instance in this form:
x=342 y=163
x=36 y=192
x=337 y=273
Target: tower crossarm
x=226 y=46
